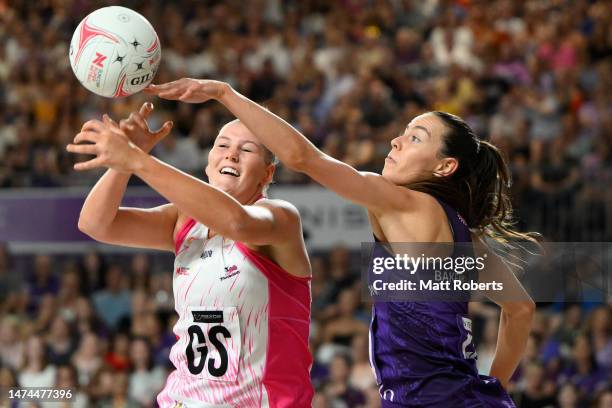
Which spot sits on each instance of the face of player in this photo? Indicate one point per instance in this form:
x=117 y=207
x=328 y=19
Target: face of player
x=415 y=154
x=236 y=163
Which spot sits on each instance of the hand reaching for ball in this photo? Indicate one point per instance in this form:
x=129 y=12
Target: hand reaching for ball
x=117 y=146
x=137 y=128
x=189 y=90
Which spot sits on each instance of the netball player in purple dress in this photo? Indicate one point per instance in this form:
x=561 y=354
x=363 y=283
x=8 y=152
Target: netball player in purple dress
x=439 y=184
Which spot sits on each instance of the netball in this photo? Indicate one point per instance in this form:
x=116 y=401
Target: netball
x=114 y=52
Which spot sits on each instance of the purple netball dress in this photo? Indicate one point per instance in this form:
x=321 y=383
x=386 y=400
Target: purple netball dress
x=422 y=352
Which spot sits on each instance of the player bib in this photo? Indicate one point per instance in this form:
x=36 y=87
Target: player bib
x=211 y=343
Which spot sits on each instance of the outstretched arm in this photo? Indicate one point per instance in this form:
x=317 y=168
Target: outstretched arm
x=291 y=147
x=260 y=224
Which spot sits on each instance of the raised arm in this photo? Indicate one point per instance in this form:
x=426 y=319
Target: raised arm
x=268 y=223
x=103 y=219
x=291 y=147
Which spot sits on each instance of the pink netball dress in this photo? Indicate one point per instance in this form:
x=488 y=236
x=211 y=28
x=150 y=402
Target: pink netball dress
x=242 y=333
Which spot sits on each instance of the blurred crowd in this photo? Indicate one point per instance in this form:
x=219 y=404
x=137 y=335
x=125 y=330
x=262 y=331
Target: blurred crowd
x=533 y=76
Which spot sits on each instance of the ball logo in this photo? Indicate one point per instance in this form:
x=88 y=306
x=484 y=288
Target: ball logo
x=98 y=61
x=140 y=79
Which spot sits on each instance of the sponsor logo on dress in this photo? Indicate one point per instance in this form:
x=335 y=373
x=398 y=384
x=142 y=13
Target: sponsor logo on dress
x=182 y=270
x=230 y=271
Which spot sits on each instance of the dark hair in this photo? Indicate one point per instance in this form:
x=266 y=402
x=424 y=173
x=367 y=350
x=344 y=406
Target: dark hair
x=147 y=343
x=479 y=187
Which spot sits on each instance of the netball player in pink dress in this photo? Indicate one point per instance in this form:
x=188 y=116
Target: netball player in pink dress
x=241 y=274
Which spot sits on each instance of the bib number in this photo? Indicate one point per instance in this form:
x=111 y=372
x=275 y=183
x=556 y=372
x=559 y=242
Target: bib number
x=213 y=343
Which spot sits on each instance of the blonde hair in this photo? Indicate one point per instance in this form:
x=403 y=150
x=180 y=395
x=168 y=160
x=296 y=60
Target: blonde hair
x=269 y=157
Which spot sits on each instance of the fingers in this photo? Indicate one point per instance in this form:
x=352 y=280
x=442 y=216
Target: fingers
x=172 y=94
x=90 y=164
x=82 y=149
x=125 y=125
x=156 y=89
x=149 y=90
x=146 y=109
x=164 y=130
x=87 y=136
x=92 y=125
x=136 y=118
x=109 y=121
x=171 y=90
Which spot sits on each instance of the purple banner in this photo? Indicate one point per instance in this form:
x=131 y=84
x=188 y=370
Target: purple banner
x=52 y=215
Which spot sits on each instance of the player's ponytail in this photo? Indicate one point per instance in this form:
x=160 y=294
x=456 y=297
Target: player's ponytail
x=479 y=188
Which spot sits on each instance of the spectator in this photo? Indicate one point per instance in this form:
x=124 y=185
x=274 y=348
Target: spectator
x=87 y=359
x=119 y=396
x=12 y=347
x=87 y=320
x=568 y=396
x=7 y=381
x=537 y=393
x=361 y=377
x=140 y=272
x=60 y=341
x=113 y=302
x=101 y=385
x=36 y=371
x=338 y=390
x=43 y=281
x=345 y=326
x=118 y=357
x=69 y=291
x=11 y=283
x=604 y=399
x=583 y=370
x=92 y=268
x=599 y=331
x=66 y=379
x=146 y=379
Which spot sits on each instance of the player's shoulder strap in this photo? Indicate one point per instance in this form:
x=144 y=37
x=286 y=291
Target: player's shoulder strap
x=458 y=225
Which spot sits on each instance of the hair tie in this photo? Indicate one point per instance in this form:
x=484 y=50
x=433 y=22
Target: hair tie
x=477 y=141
